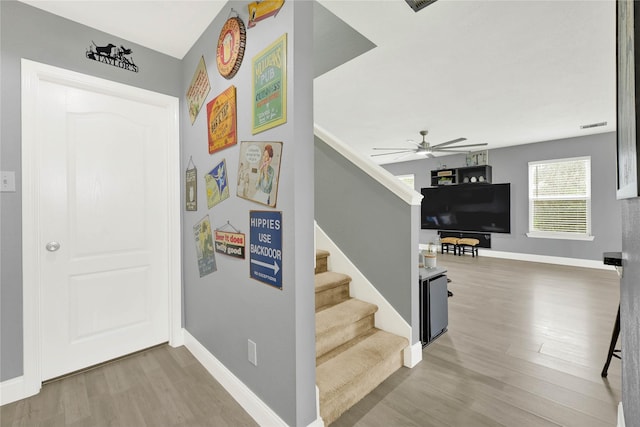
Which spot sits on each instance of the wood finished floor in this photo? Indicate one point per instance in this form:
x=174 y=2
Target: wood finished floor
x=525 y=347
x=160 y=387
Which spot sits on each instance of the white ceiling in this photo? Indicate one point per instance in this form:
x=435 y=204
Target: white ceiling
x=504 y=72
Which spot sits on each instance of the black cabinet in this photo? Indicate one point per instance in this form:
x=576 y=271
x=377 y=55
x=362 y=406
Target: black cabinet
x=466 y=175
x=434 y=308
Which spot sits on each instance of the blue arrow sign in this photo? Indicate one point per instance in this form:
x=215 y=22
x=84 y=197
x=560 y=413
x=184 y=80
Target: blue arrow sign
x=265 y=247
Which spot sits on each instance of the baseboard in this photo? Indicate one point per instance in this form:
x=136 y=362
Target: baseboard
x=413 y=355
x=546 y=259
x=620 y=416
x=249 y=401
x=13 y=390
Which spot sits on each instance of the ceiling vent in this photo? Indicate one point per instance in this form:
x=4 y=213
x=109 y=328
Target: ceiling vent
x=417 y=5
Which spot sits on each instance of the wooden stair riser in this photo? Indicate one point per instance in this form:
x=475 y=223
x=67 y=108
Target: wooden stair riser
x=338 y=336
x=332 y=296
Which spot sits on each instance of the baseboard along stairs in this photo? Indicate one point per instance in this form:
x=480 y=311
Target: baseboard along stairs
x=352 y=356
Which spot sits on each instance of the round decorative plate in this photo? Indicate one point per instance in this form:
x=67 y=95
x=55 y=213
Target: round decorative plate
x=231 y=44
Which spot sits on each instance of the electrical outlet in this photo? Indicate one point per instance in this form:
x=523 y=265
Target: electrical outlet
x=7 y=181
x=253 y=354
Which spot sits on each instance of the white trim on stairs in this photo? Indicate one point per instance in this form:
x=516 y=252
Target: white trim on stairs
x=374 y=170
x=249 y=401
x=386 y=318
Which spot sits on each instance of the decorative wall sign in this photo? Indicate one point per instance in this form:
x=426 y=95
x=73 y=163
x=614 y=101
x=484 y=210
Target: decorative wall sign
x=112 y=55
x=204 y=247
x=221 y=117
x=230 y=50
x=259 y=10
x=230 y=243
x=217 y=184
x=191 y=186
x=198 y=90
x=266 y=247
x=259 y=171
x=478 y=158
x=269 y=87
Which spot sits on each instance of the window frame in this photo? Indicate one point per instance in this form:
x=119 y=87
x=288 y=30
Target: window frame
x=557 y=234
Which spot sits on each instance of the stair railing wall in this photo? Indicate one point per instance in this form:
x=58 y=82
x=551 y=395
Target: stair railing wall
x=374 y=219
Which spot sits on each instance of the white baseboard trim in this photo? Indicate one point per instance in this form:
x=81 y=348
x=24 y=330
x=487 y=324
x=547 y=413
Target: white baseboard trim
x=547 y=259
x=413 y=355
x=621 y=422
x=249 y=401
x=13 y=390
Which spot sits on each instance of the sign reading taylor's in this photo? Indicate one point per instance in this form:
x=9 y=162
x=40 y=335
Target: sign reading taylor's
x=266 y=247
x=112 y=55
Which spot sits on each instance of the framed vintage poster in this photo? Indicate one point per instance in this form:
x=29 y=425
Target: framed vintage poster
x=191 y=187
x=222 y=120
x=259 y=171
x=217 y=184
x=198 y=90
x=204 y=247
x=628 y=86
x=269 y=86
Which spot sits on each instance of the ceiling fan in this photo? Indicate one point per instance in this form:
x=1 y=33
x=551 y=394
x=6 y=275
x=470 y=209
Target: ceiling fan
x=425 y=149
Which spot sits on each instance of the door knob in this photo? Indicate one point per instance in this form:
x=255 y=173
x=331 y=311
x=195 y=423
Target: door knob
x=53 y=246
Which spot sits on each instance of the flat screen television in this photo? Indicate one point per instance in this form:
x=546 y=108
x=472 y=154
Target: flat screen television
x=467 y=207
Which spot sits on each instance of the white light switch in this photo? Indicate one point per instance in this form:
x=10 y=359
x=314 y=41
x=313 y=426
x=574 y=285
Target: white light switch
x=7 y=181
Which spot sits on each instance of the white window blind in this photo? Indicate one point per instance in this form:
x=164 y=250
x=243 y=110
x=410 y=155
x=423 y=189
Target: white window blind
x=408 y=179
x=560 y=198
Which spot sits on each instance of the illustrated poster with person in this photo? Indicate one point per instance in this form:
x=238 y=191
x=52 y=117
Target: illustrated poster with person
x=204 y=247
x=259 y=171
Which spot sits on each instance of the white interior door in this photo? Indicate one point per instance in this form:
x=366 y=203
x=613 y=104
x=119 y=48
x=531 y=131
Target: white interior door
x=103 y=224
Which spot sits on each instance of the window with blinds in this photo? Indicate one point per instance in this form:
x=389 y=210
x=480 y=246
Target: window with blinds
x=560 y=198
x=408 y=179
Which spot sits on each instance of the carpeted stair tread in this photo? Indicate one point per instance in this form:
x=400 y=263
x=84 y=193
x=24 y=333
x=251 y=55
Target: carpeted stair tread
x=321 y=253
x=330 y=279
x=340 y=315
x=353 y=373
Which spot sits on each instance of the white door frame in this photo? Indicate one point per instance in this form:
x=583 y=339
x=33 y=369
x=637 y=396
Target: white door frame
x=32 y=74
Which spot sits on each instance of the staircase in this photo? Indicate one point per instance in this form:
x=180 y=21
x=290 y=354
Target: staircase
x=352 y=356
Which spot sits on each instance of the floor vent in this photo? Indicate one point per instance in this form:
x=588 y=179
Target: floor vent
x=417 y=5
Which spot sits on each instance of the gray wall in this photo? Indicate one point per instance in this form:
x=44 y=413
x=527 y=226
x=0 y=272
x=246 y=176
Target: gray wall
x=509 y=164
x=630 y=312
x=372 y=226
x=226 y=308
x=27 y=32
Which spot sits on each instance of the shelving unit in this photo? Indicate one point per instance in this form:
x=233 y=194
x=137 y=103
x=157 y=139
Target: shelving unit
x=469 y=174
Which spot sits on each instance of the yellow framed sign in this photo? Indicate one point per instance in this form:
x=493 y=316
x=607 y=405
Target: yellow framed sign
x=269 y=86
x=221 y=120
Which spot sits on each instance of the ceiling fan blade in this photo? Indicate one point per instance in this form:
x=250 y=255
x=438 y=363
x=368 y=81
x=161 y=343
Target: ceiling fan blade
x=395 y=148
x=430 y=156
x=403 y=156
x=463 y=146
x=397 y=152
x=453 y=141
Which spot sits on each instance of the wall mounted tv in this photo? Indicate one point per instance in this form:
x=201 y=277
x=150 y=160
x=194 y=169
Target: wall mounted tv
x=467 y=207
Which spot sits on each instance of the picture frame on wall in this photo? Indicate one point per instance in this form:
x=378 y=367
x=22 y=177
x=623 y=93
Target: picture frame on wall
x=259 y=171
x=269 y=86
x=628 y=87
